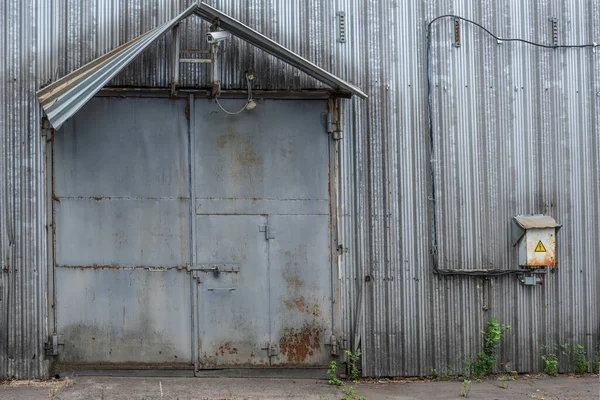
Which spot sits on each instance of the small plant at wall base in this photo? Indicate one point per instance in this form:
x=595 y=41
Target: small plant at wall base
x=596 y=362
x=466 y=388
x=331 y=371
x=580 y=364
x=486 y=359
x=353 y=365
x=577 y=357
x=442 y=375
x=550 y=364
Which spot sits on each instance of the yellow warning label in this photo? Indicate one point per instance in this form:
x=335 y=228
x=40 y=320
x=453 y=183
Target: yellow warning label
x=540 y=247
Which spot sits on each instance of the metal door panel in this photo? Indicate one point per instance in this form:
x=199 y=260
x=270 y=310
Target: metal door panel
x=233 y=324
x=122 y=214
x=116 y=232
x=124 y=315
x=300 y=289
x=276 y=151
x=123 y=147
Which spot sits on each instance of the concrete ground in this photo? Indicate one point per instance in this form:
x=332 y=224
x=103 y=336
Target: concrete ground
x=105 y=388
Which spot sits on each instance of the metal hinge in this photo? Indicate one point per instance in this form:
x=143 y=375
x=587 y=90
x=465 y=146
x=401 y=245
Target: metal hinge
x=52 y=346
x=46 y=130
x=269 y=234
x=272 y=349
x=335 y=349
x=333 y=128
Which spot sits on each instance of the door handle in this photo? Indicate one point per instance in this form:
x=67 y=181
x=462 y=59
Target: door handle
x=212 y=289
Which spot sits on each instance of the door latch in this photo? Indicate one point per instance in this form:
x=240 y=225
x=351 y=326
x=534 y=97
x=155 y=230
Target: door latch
x=269 y=234
x=272 y=349
x=335 y=349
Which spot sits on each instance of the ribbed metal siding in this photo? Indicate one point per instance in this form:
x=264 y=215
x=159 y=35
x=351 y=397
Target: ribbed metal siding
x=22 y=202
x=516 y=132
x=488 y=169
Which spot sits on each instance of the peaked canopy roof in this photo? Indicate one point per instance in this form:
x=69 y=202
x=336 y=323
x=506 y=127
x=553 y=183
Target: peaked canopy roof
x=63 y=98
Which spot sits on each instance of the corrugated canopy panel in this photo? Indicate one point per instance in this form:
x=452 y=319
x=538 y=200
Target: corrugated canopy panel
x=65 y=97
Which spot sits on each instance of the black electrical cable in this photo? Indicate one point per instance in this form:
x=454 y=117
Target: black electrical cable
x=434 y=242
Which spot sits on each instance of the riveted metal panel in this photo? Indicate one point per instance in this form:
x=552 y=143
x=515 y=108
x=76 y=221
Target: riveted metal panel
x=121 y=238
x=124 y=316
x=301 y=298
x=120 y=185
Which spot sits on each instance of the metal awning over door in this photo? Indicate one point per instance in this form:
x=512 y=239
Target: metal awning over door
x=63 y=98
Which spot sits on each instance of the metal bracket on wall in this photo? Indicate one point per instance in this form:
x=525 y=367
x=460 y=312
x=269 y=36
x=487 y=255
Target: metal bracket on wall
x=486 y=284
x=342 y=250
x=335 y=348
x=52 y=346
x=456 y=32
x=533 y=278
x=47 y=130
x=215 y=268
x=554 y=22
x=341 y=15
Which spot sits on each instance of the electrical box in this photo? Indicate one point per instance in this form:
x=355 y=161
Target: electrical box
x=535 y=237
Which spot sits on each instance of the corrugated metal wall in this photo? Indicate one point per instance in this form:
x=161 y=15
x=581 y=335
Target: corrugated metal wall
x=22 y=201
x=516 y=131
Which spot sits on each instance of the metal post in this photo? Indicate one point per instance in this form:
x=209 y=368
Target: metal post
x=175 y=59
x=193 y=281
x=216 y=82
x=48 y=140
x=336 y=244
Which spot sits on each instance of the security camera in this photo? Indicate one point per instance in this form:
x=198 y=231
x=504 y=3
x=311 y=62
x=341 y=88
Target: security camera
x=215 y=37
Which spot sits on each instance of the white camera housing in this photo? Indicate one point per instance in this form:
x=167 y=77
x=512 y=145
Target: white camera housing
x=218 y=36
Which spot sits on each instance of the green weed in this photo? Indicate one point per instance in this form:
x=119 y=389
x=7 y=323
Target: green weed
x=505 y=377
x=550 y=364
x=442 y=375
x=466 y=388
x=596 y=362
x=353 y=365
x=577 y=357
x=486 y=359
x=580 y=363
x=331 y=371
x=350 y=393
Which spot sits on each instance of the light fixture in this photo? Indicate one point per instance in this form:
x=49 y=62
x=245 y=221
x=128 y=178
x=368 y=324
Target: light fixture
x=250 y=105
